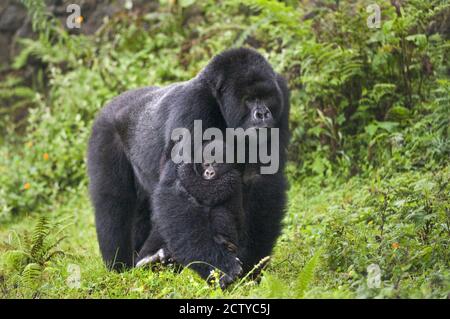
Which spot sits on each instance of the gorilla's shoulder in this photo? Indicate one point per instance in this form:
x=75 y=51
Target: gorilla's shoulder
x=125 y=102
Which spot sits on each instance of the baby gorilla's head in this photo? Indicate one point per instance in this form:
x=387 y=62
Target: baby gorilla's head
x=211 y=171
x=209 y=183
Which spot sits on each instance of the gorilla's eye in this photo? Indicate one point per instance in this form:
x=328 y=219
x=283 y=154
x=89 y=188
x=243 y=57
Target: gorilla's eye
x=247 y=101
x=206 y=165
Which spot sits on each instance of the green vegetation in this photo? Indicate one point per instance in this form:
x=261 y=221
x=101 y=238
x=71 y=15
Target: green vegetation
x=369 y=159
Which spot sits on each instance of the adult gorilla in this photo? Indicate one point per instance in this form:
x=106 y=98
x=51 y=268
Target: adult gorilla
x=130 y=143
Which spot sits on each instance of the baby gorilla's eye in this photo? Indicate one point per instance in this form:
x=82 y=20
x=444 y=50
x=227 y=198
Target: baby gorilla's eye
x=206 y=165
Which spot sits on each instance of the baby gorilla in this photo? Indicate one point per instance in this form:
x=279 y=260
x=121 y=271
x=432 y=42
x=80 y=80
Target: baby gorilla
x=211 y=194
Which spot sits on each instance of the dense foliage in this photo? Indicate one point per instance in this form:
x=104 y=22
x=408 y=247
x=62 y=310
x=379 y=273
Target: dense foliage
x=369 y=157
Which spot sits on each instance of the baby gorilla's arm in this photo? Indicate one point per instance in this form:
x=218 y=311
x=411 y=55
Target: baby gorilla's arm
x=236 y=271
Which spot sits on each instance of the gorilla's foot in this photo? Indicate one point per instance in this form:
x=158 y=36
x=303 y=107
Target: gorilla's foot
x=161 y=256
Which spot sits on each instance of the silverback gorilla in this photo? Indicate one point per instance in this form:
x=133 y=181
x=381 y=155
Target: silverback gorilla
x=131 y=144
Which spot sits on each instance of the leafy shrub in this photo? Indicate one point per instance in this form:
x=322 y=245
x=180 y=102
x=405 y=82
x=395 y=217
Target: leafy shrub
x=31 y=255
x=370 y=136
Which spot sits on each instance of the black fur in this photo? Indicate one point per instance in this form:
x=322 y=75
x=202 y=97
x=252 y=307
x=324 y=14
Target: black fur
x=130 y=143
x=212 y=212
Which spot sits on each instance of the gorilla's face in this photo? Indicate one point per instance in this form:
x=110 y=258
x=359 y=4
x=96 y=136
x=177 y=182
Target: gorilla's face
x=258 y=105
x=246 y=88
x=212 y=171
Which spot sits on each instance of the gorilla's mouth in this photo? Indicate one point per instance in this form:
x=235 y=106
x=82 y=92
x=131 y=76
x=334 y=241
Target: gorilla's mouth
x=260 y=126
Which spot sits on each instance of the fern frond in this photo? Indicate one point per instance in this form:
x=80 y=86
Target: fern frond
x=40 y=232
x=276 y=287
x=41 y=19
x=306 y=275
x=31 y=274
x=48 y=248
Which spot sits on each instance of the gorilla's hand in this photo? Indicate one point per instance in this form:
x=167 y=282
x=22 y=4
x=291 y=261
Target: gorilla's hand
x=162 y=256
x=233 y=266
x=233 y=272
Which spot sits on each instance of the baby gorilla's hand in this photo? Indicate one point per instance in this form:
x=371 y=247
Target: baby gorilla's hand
x=161 y=256
x=233 y=272
x=233 y=267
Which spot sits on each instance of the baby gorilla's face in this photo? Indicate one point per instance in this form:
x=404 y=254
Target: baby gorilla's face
x=211 y=171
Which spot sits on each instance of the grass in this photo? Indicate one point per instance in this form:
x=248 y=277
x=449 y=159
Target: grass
x=318 y=255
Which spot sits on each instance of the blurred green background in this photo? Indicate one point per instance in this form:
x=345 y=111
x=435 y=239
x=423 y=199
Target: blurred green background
x=369 y=210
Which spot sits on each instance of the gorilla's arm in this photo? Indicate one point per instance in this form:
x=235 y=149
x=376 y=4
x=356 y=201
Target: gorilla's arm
x=113 y=194
x=152 y=245
x=121 y=207
x=265 y=199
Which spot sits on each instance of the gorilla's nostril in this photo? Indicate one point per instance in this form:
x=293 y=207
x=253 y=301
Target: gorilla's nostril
x=258 y=115
x=261 y=114
x=209 y=174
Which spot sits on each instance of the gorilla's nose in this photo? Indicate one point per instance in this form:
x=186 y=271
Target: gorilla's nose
x=209 y=174
x=262 y=117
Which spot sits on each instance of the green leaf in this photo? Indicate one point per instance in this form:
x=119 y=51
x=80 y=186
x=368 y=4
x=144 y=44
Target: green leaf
x=318 y=165
x=388 y=126
x=186 y=3
x=371 y=129
x=306 y=276
x=398 y=112
x=274 y=286
x=419 y=40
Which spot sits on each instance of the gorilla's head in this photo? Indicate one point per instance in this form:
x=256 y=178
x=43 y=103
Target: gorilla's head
x=216 y=186
x=212 y=171
x=246 y=88
x=211 y=167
